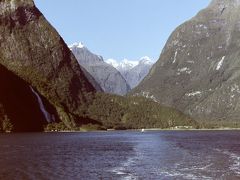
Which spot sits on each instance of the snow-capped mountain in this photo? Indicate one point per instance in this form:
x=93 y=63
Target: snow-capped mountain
x=83 y=55
x=133 y=71
x=109 y=78
x=124 y=65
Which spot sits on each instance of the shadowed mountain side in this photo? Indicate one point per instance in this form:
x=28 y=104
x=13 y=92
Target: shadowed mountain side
x=33 y=53
x=32 y=49
x=21 y=105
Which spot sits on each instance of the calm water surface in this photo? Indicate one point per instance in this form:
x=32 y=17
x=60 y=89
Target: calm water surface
x=121 y=155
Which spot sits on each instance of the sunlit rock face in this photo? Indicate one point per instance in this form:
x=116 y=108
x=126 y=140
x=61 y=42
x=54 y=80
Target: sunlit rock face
x=32 y=49
x=198 y=70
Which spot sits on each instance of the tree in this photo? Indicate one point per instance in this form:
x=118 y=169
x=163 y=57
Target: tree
x=6 y=124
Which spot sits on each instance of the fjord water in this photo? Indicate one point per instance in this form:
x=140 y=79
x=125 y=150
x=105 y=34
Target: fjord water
x=121 y=155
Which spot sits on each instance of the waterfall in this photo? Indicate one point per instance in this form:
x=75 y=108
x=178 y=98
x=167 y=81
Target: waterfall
x=46 y=114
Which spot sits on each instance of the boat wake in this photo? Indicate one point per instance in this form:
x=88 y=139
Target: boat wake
x=235 y=162
x=123 y=170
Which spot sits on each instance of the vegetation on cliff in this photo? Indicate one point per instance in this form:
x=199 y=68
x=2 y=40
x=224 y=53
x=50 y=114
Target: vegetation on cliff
x=107 y=111
x=38 y=69
x=5 y=123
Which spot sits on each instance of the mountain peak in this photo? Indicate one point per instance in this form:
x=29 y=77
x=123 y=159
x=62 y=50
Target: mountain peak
x=77 y=45
x=145 y=60
x=108 y=78
x=112 y=62
x=126 y=64
x=132 y=71
x=129 y=63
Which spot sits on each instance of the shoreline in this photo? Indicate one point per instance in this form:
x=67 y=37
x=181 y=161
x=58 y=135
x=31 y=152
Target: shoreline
x=131 y=130
x=146 y=130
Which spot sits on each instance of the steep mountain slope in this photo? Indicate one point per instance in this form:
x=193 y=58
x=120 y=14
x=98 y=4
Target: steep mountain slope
x=106 y=76
x=42 y=82
x=198 y=71
x=133 y=71
x=32 y=49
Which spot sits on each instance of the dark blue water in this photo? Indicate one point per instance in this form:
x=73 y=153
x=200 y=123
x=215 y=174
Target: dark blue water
x=121 y=155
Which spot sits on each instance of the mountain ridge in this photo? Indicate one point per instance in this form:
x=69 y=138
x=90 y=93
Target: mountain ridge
x=32 y=49
x=54 y=90
x=197 y=72
x=133 y=71
x=109 y=79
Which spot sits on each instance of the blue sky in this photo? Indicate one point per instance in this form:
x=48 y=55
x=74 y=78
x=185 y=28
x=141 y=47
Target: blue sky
x=119 y=29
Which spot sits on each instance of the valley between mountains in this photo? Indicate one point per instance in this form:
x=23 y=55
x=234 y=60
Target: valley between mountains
x=49 y=85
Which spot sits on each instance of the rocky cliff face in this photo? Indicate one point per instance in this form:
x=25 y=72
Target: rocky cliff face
x=198 y=71
x=32 y=49
x=106 y=76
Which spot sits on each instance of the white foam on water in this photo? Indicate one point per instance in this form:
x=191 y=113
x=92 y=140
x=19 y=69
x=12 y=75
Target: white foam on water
x=197 y=167
x=182 y=175
x=181 y=171
x=234 y=159
x=204 y=167
x=123 y=170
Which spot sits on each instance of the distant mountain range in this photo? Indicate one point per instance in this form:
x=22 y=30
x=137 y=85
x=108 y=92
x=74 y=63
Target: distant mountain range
x=44 y=87
x=46 y=84
x=116 y=77
x=109 y=79
x=133 y=71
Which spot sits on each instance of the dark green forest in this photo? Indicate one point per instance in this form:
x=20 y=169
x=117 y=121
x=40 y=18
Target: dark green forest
x=107 y=111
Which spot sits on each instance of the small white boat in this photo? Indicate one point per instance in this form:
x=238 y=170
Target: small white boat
x=143 y=130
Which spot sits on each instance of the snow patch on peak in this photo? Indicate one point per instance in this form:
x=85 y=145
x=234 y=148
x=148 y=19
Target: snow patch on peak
x=112 y=62
x=133 y=71
x=77 y=45
x=126 y=64
x=145 y=60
